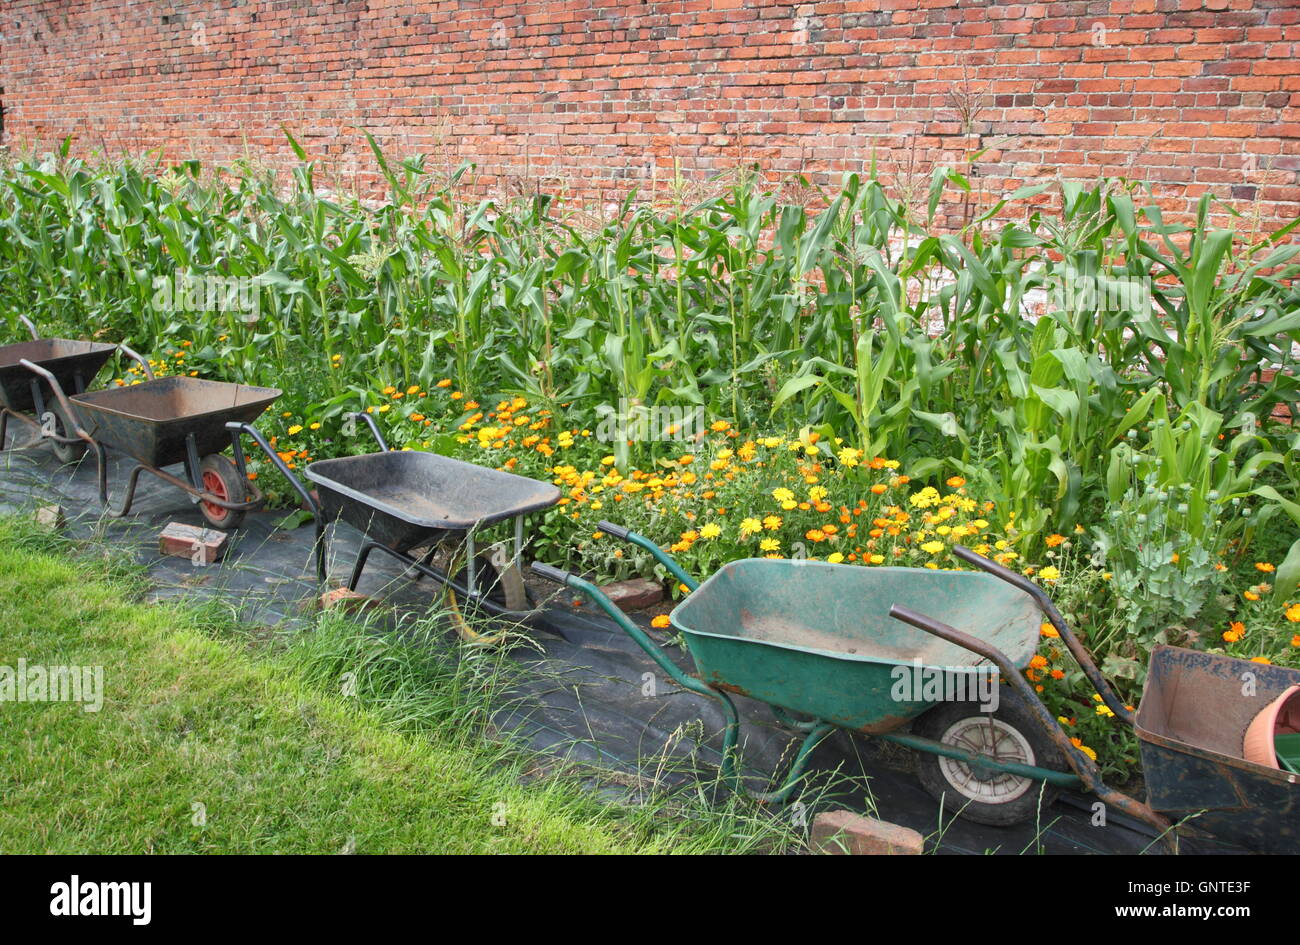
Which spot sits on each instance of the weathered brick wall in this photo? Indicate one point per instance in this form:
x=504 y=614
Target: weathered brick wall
x=1190 y=95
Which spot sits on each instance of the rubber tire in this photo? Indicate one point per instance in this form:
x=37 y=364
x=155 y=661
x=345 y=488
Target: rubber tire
x=231 y=483
x=1010 y=712
x=66 y=452
x=505 y=587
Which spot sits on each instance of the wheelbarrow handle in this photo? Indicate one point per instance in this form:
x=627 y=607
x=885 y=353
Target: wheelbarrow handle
x=73 y=418
x=1045 y=604
x=148 y=371
x=551 y=573
x=731 y=732
x=1083 y=766
x=374 y=428
x=236 y=428
x=36 y=335
x=627 y=535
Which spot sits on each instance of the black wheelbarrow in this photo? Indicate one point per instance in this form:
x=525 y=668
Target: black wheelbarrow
x=167 y=421
x=30 y=400
x=405 y=500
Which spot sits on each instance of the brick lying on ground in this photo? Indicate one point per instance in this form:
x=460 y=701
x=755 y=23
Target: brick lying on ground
x=51 y=517
x=635 y=593
x=843 y=831
x=201 y=545
x=351 y=601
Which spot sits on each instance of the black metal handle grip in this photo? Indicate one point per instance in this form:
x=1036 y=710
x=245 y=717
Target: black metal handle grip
x=614 y=531
x=369 y=421
x=551 y=573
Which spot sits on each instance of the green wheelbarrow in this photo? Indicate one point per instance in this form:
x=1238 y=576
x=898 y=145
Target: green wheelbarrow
x=850 y=647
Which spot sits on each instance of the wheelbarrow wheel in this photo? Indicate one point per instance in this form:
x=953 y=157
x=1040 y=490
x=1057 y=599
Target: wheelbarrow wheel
x=503 y=586
x=66 y=452
x=221 y=478
x=1010 y=734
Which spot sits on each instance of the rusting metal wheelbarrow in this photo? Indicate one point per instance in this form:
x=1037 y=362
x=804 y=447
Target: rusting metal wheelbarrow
x=165 y=421
x=403 y=500
x=837 y=643
x=30 y=400
x=1191 y=725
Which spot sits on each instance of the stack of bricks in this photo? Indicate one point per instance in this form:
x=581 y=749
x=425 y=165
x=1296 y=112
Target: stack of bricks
x=598 y=96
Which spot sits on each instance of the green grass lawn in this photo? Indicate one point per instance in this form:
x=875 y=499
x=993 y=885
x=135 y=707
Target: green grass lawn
x=281 y=758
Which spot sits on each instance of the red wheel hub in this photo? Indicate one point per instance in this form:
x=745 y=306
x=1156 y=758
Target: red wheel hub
x=214 y=485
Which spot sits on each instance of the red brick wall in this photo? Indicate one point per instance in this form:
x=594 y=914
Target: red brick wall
x=1190 y=95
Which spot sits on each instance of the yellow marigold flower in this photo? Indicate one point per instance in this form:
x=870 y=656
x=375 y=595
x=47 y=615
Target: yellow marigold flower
x=1261 y=659
x=933 y=547
x=295 y=429
x=783 y=495
x=1105 y=712
x=1250 y=595
x=718 y=426
x=445 y=382
x=1049 y=573
x=849 y=457
x=817 y=493
x=711 y=530
x=750 y=526
x=769 y=544
x=925 y=498
x=1293 y=613
x=772 y=522
x=835 y=558
x=390 y=390
x=1078 y=743
x=1047 y=630
x=661 y=621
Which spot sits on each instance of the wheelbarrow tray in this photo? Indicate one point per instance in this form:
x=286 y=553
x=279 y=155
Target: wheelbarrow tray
x=1191 y=725
x=406 y=498
x=150 y=421
x=73 y=363
x=817 y=638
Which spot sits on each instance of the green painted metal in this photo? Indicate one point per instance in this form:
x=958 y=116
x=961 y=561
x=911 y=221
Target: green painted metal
x=731 y=733
x=918 y=743
x=817 y=638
